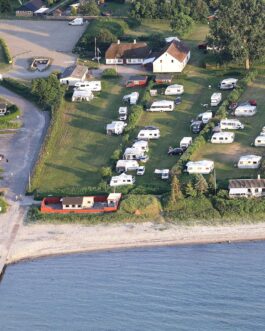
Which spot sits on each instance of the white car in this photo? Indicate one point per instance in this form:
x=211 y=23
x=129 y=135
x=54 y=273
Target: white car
x=140 y=171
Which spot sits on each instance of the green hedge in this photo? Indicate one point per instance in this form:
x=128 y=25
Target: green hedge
x=7 y=55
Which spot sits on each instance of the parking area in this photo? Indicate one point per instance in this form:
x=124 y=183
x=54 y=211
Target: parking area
x=27 y=39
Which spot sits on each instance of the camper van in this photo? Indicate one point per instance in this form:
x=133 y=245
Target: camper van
x=230 y=124
x=260 y=141
x=141 y=144
x=174 y=89
x=223 y=138
x=115 y=127
x=133 y=153
x=94 y=86
x=203 y=167
x=228 y=84
x=249 y=162
x=185 y=142
x=205 y=117
x=77 y=21
x=149 y=133
x=131 y=98
x=245 y=109
x=122 y=180
x=126 y=165
x=216 y=98
x=123 y=111
x=162 y=105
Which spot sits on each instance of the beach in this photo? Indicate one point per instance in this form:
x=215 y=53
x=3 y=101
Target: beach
x=39 y=240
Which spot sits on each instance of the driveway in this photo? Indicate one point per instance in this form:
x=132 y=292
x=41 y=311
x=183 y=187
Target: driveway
x=27 y=39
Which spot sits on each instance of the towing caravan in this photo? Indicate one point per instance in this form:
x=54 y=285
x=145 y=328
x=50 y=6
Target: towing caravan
x=231 y=124
x=260 y=141
x=94 y=86
x=149 y=133
x=132 y=153
x=216 y=98
x=141 y=144
x=228 y=84
x=174 y=89
x=223 y=138
x=162 y=105
x=249 y=162
x=203 y=167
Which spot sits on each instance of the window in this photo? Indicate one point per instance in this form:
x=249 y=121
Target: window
x=161 y=61
x=172 y=61
x=256 y=190
x=79 y=206
x=67 y=206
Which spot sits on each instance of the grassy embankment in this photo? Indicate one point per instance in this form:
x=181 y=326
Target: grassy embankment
x=11 y=120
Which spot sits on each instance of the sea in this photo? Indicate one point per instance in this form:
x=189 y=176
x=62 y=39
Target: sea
x=198 y=287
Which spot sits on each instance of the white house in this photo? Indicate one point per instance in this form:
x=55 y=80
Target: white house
x=249 y=162
x=73 y=75
x=82 y=95
x=200 y=167
x=173 y=58
x=122 y=180
x=245 y=188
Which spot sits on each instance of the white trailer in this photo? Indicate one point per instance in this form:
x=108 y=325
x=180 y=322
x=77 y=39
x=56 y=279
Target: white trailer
x=123 y=111
x=77 y=21
x=131 y=98
x=141 y=144
x=122 y=180
x=228 y=84
x=163 y=172
x=115 y=127
x=216 y=98
x=94 y=85
x=260 y=141
x=174 y=89
x=185 y=142
x=83 y=95
x=205 y=117
x=223 y=138
x=133 y=153
x=230 y=124
x=126 y=165
x=249 y=162
x=203 y=167
x=148 y=134
x=245 y=109
x=161 y=106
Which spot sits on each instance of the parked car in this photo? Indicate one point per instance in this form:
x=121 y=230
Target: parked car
x=140 y=171
x=202 y=46
x=178 y=101
x=196 y=126
x=175 y=151
x=122 y=117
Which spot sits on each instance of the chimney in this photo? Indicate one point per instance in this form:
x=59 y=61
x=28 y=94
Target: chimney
x=134 y=41
x=258 y=176
x=118 y=41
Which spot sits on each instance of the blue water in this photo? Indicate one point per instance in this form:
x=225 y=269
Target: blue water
x=207 y=287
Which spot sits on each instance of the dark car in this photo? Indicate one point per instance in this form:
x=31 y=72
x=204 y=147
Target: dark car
x=202 y=46
x=196 y=126
x=178 y=101
x=175 y=151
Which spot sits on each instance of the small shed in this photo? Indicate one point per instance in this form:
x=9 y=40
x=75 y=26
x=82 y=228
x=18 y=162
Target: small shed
x=73 y=74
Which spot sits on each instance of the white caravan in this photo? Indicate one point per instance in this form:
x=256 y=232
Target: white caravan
x=216 y=98
x=230 y=124
x=228 y=84
x=249 y=162
x=205 y=117
x=126 y=165
x=162 y=105
x=146 y=134
x=116 y=127
x=133 y=153
x=163 y=172
x=123 y=111
x=141 y=144
x=223 y=138
x=131 y=98
x=185 y=142
x=203 y=167
x=122 y=180
x=77 y=21
x=260 y=141
x=245 y=109
x=94 y=85
x=85 y=95
x=174 y=89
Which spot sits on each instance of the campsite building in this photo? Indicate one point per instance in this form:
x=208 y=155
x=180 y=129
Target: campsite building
x=73 y=74
x=244 y=188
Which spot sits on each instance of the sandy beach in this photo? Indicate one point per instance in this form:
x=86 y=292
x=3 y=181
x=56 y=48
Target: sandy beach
x=34 y=241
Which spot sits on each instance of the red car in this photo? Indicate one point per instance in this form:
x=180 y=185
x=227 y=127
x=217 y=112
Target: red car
x=252 y=102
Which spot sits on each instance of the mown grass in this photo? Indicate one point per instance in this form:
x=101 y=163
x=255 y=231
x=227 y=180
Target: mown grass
x=11 y=120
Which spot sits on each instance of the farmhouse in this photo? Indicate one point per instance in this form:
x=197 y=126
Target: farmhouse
x=172 y=58
x=30 y=7
x=127 y=53
x=73 y=74
x=3 y=109
x=245 y=188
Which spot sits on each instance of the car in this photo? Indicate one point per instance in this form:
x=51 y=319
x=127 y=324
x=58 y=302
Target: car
x=178 y=101
x=196 y=126
x=175 y=151
x=252 y=102
x=140 y=171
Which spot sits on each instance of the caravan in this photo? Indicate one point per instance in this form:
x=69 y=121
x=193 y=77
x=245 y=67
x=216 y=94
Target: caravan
x=122 y=180
x=228 y=84
x=203 y=167
x=230 y=124
x=216 y=98
x=174 y=89
x=115 y=127
x=94 y=86
x=260 y=141
x=223 y=138
x=249 y=162
x=123 y=112
x=131 y=98
x=205 y=117
x=141 y=144
x=245 y=109
x=185 y=143
x=133 y=153
x=162 y=105
x=149 y=133
x=126 y=165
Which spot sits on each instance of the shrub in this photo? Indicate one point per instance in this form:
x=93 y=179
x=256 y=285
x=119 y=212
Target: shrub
x=7 y=55
x=105 y=172
x=145 y=205
x=110 y=73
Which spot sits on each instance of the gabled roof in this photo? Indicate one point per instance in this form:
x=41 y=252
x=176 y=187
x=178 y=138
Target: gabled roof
x=75 y=71
x=247 y=183
x=177 y=49
x=32 y=5
x=128 y=51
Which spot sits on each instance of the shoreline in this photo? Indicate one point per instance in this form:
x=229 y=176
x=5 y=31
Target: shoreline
x=47 y=240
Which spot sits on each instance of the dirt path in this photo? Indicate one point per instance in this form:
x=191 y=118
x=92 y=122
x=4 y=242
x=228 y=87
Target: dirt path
x=21 y=149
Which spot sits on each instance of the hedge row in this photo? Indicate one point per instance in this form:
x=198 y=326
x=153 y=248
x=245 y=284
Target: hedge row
x=7 y=55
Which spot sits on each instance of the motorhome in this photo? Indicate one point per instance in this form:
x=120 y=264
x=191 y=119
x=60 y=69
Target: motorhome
x=230 y=124
x=216 y=98
x=161 y=105
x=126 y=165
x=205 y=117
x=149 y=133
x=174 y=89
x=245 y=109
x=203 y=167
x=115 y=127
x=77 y=21
x=85 y=95
x=249 y=162
x=260 y=141
x=141 y=144
x=185 y=142
x=228 y=84
x=133 y=153
x=94 y=86
x=223 y=138
x=122 y=180
x=131 y=98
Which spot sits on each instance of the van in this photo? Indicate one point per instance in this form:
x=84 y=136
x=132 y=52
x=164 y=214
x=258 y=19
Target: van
x=77 y=21
x=161 y=106
x=231 y=124
x=185 y=142
x=223 y=138
x=196 y=126
x=205 y=117
x=216 y=98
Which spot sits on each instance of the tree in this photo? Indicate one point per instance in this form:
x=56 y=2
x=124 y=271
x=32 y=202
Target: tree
x=105 y=172
x=143 y=9
x=176 y=193
x=89 y=8
x=190 y=191
x=200 y=185
x=181 y=24
x=239 y=30
x=212 y=183
x=5 y=6
x=199 y=10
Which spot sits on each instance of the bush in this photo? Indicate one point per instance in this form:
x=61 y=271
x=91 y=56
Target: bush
x=145 y=205
x=105 y=172
x=3 y=205
x=134 y=117
x=110 y=73
x=7 y=55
